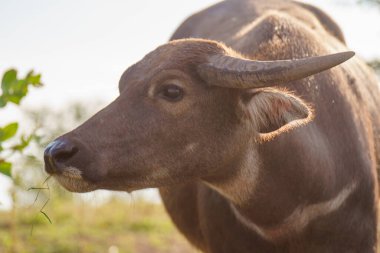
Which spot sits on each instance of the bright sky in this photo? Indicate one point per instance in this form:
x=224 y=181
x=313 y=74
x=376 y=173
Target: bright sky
x=82 y=47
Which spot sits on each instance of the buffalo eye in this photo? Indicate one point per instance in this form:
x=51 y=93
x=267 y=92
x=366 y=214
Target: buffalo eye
x=171 y=92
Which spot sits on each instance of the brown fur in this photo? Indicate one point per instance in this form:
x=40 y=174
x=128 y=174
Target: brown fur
x=289 y=169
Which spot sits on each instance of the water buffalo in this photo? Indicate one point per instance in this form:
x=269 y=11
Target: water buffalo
x=255 y=142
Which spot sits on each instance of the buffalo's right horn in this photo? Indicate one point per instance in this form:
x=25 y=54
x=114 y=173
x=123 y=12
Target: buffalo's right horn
x=232 y=72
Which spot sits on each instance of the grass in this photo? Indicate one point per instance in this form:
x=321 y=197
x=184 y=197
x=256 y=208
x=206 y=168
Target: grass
x=115 y=227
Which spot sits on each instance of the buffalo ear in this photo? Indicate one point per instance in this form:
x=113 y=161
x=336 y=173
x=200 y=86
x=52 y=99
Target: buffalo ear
x=274 y=111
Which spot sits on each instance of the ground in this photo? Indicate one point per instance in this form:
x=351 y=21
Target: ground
x=115 y=227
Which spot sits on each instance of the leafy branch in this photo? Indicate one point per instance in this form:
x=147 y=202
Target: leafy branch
x=13 y=90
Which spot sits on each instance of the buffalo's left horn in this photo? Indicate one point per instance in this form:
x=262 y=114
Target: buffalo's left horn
x=232 y=72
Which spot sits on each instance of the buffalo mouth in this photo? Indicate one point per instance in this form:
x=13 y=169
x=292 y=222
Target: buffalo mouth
x=71 y=179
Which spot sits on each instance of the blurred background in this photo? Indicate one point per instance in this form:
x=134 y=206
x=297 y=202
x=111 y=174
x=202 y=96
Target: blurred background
x=78 y=50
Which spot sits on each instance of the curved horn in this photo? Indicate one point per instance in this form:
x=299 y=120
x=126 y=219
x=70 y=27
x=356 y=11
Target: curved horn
x=231 y=72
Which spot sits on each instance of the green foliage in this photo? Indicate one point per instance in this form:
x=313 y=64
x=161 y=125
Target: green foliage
x=13 y=90
x=5 y=168
x=8 y=131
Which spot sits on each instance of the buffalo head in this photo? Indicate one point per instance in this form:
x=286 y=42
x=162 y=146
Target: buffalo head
x=186 y=111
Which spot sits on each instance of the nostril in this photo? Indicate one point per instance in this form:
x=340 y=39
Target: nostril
x=63 y=155
x=57 y=155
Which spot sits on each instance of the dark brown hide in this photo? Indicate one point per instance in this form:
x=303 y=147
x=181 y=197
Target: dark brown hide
x=307 y=165
x=281 y=169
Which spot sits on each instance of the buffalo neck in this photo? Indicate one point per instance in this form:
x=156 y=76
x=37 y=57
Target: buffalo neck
x=272 y=194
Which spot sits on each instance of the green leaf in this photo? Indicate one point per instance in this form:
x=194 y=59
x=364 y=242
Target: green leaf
x=8 y=131
x=14 y=89
x=9 y=78
x=34 y=80
x=3 y=101
x=47 y=217
x=5 y=168
x=25 y=141
x=37 y=188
